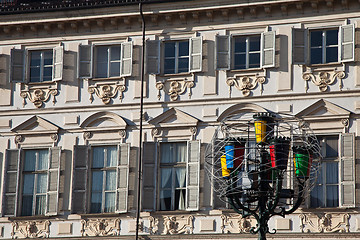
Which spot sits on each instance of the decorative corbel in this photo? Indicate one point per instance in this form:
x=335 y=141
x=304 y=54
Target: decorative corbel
x=193 y=131
x=156 y=132
x=38 y=95
x=245 y=83
x=106 y=91
x=87 y=135
x=324 y=79
x=54 y=137
x=19 y=139
x=122 y=134
x=154 y=225
x=345 y=122
x=176 y=87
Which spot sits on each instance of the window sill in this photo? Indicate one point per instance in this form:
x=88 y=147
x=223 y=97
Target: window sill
x=98 y=215
x=34 y=217
x=106 y=79
x=175 y=75
x=324 y=67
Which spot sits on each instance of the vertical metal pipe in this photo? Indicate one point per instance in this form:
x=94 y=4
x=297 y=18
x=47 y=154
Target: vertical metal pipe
x=141 y=125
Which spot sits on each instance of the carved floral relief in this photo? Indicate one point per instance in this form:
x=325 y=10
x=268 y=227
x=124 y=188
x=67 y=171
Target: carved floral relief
x=178 y=225
x=38 y=96
x=175 y=87
x=30 y=229
x=245 y=83
x=100 y=227
x=235 y=223
x=106 y=91
x=324 y=79
x=327 y=223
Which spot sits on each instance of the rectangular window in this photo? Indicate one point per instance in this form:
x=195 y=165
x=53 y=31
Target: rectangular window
x=35 y=180
x=176 y=57
x=41 y=65
x=107 y=61
x=103 y=179
x=246 y=52
x=326 y=190
x=173 y=176
x=324 y=46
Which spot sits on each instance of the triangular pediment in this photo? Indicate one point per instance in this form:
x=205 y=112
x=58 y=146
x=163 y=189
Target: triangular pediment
x=173 y=118
x=36 y=125
x=104 y=120
x=323 y=109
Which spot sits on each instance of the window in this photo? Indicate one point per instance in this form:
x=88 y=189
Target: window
x=32 y=182
x=323 y=46
x=178 y=56
x=34 y=66
x=239 y=52
x=105 y=61
x=171 y=176
x=100 y=178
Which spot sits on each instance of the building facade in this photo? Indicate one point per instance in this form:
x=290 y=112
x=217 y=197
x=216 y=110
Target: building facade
x=69 y=112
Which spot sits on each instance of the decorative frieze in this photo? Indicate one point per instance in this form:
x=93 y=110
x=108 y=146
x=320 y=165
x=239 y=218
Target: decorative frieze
x=324 y=79
x=245 y=83
x=235 y=223
x=327 y=223
x=175 y=87
x=100 y=227
x=39 y=95
x=178 y=225
x=107 y=91
x=30 y=229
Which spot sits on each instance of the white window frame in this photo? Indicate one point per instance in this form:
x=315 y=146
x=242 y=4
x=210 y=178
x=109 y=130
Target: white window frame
x=108 y=61
x=176 y=57
x=247 y=53
x=42 y=65
x=323 y=46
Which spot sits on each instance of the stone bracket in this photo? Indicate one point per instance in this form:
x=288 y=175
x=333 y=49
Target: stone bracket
x=107 y=91
x=39 y=94
x=245 y=83
x=323 y=79
x=175 y=87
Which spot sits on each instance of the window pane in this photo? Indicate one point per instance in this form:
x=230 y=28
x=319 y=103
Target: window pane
x=98 y=157
x=317 y=197
x=183 y=65
x=184 y=48
x=48 y=57
x=169 y=66
x=167 y=153
x=109 y=202
x=316 y=56
x=316 y=38
x=40 y=205
x=166 y=177
x=110 y=180
x=96 y=199
x=181 y=152
x=41 y=185
x=47 y=74
x=332 y=37
x=97 y=181
x=111 y=156
x=169 y=49
x=30 y=160
x=332 y=175
x=27 y=205
x=115 y=69
x=165 y=200
x=331 y=54
x=35 y=58
x=331 y=147
x=254 y=60
x=115 y=53
x=28 y=186
x=101 y=69
x=35 y=74
x=102 y=54
x=332 y=196
x=180 y=199
x=43 y=160
x=180 y=179
x=240 y=61
x=240 y=45
x=254 y=43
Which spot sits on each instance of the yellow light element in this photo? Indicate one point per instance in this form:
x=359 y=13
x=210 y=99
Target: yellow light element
x=224 y=169
x=260 y=130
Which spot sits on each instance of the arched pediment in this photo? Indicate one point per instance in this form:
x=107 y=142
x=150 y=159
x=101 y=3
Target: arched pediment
x=241 y=108
x=36 y=125
x=174 y=118
x=104 y=120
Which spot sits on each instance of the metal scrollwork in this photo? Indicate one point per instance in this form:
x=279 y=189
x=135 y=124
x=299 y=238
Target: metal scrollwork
x=176 y=87
x=323 y=80
x=106 y=92
x=38 y=96
x=245 y=84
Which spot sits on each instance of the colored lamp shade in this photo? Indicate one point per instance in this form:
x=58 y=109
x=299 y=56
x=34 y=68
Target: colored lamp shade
x=263 y=127
x=224 y=170
x=302 y=162
x=234 y=152
x=279 y=152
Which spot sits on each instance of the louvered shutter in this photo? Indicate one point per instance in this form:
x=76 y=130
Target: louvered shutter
x=149 y=176
x=122 y=177
x=347 y=161
x=268 y=49
x=11 y=183
x=58 y=63
x=153 y=56
x=17 y=65
x=3 y=69
x=193 y=176
x=347 y=42
x=53 y=181
x=80 y=179
x=85 y=57
x=222 y=52
x=126 y=58
x=299 y=37
x=195 y=54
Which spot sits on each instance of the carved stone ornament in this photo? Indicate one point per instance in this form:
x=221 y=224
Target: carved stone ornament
x=175 y=87
x=193 y=131
x=19 y=139
x=155 y=132
x=87 y=135
x=326 y=223
x=236 y=224
x=30 y=229
x=245 y=83
x=122 y=134
x=324 y=79
x=154 y=225
x=54 y=137
x=38 y=96
x=174 y=225
x=106 y=92
x=100 y=227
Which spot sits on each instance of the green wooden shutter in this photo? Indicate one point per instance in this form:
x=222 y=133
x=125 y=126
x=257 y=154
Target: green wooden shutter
x=80 y=179
x=347 y=161
x=53 y=181
x=195 y=63
x=149 y=176
x=58 y=63
x=193 y=176
x=268 y=49
x=299 y=44
x=153 y=56
x=126 y=58
x=122 y=177
x=17 y=65
x=347 y=43
x=85 y=55
x=11 y=183
x=222 y=52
